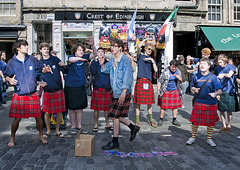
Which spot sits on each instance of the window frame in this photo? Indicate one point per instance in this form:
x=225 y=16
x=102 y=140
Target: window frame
x=9 y=8
x=216 y=13
x=235 y=12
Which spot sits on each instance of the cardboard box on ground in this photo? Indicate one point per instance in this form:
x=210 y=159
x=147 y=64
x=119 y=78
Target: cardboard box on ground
x=84 y=145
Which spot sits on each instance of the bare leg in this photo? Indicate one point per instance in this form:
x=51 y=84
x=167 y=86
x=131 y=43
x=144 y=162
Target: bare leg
x=40 y=129
x=72 y=117
x=124 y=121
x=96 y=113
x=116 y=124
x=58 y=121
x=162 y=112
x=47 y=122
x=175 y=112
x=106 y=118
x=14 y=128
x=223 y=119
x=229 y=114
x=79 y=118
x=149 y=108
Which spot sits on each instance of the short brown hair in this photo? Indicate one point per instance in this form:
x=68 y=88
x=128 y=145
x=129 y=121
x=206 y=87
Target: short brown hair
x=43 y=44
x=75 y=47
x=223 y=57
x=117 y=41
x=206 y=51
x=206 y=60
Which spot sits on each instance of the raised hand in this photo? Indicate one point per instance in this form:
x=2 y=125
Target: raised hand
x=46 y=69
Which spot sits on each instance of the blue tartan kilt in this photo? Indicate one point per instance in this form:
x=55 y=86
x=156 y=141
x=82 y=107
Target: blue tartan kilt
x=227 y=102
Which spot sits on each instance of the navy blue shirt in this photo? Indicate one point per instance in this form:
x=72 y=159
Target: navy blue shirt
x=3 y=66
x=144 y=67
x=76 y=72
x=172 y=83
x=100 y=80
x=26 y=73
x=54 y=82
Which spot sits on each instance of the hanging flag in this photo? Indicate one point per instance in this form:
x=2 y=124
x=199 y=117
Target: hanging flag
x=169 y=19
x=131 y=28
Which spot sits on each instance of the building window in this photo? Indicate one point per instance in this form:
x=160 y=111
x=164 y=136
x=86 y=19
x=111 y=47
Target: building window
x=236 y=10
x=7 y=7
x=214 y=10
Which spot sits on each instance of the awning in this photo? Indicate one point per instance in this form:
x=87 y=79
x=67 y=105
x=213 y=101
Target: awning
x=223 y=38
x=10 y=31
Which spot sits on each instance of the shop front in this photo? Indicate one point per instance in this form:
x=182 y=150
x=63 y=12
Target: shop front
x=74 y=27
x=220 y=39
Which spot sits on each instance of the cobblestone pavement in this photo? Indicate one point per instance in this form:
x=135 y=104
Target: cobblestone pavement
x=29 y=153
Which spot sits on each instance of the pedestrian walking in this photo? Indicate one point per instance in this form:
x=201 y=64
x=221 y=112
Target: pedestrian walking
x=143 y=92
x=121 y=78
x=22 y=72
x=75 y=91
x=102 y=94
x=204 y=113
x=225 y=73
x=184 y=71
x=3 y=66
x=169 y=91
x=53 y=101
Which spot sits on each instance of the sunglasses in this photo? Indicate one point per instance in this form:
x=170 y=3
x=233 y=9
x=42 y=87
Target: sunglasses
x=150 y=49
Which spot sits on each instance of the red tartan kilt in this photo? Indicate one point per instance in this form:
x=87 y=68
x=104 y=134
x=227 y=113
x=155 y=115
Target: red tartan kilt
x=170 y=100
x=204 y=114
x=54 y=102
x=142 y=96
x=25 y=106
x=101 y=99
x=117 y=110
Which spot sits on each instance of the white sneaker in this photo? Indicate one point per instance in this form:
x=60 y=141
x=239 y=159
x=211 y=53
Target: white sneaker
x=190 y=141
x=211 y=143
x=183 y=107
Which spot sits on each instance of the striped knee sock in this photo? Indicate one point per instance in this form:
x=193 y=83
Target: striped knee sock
x=194 y=131
x=137 y=118
x=150 y=117
x=209 y=132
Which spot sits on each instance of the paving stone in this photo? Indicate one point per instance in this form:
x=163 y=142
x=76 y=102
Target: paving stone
x=32 y=160
x=7 y=156
x=21 y=163
x=56 y=152
x=45 y=156
x=9 y=165
x=50 y=165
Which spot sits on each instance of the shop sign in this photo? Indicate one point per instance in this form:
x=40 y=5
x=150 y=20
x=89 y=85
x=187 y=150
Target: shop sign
x=110 y=15
x=39 y=16
x=77 y=26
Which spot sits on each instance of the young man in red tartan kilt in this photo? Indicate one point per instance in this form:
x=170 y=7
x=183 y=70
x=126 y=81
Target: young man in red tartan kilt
x=144 y=93
x=22 y=72
x=102 y=94
x=53 y=96
x=121 y=78
x=204 y=111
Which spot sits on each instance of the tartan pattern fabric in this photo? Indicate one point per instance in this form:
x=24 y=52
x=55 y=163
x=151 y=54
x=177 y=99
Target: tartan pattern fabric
x=101 y=99
x=227 y=103
x=117 y=110
x=170 y=100
x=204 y=114
x=25 y=106
x=54 y=102
x=142 y=96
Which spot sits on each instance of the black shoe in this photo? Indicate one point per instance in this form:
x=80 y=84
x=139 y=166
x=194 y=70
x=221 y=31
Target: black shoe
x=3 y=102
x=110 y=146
x=134 y=133
x=176 y=123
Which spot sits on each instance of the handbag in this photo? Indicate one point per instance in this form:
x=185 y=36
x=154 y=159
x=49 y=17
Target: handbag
x=201 y=88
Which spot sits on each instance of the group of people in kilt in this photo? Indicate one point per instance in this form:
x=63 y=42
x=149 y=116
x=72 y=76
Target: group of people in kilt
x=112 y=89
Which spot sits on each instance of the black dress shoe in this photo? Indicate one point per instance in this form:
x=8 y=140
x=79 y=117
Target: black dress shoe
x=110 y=146
x=134 y=133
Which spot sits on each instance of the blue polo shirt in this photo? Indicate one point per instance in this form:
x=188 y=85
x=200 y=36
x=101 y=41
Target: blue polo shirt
x=227 y=83
x=144 y=67
x=172 y=82
x=54 y=82
x=76 y=72
x=211 y=86
x=100 y=80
